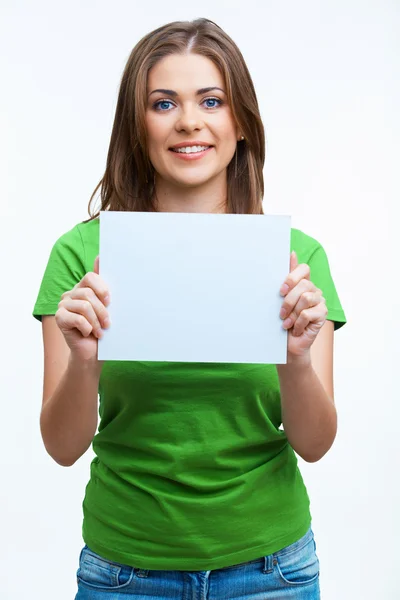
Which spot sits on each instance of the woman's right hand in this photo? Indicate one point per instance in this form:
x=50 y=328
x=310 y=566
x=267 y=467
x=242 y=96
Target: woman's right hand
x=82 y=315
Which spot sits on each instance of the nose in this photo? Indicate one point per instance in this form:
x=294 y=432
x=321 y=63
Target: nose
x=189 y=119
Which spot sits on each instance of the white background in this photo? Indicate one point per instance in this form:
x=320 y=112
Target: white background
x=327 y=80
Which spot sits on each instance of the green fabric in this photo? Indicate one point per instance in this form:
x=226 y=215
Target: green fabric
x=192 y=470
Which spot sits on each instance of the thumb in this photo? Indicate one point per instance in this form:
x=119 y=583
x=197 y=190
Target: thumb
x=293 y=261
x=96 y=264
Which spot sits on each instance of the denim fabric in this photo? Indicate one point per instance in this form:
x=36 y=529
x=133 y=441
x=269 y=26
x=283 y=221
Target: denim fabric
x=290 y=573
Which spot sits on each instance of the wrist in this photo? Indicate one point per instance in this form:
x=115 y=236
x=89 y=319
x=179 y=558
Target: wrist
x=295 y=362
x=80 y=365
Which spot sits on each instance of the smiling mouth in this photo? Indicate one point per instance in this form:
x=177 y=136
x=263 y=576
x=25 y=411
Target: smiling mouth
x=194 y=151
x=193 y=155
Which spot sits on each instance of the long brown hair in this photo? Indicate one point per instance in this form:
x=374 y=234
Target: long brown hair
x=128 y=181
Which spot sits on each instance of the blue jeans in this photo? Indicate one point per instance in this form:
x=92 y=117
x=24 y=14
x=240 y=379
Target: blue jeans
x=290 y=573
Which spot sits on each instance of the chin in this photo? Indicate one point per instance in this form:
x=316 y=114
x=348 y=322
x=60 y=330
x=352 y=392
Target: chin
x=189 y=178
x=196 y=183
x=192 y=181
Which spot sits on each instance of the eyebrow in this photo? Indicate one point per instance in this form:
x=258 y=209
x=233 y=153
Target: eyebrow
x=198 y=93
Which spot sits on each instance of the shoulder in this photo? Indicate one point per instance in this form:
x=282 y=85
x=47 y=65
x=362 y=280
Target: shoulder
x=80 y=242
x=83 y=229
x=81 y=232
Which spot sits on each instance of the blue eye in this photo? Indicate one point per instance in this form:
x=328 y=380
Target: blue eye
x=156 y=105
x=213 y=100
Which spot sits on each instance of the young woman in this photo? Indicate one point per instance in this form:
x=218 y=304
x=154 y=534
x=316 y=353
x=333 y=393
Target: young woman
x=195 y=491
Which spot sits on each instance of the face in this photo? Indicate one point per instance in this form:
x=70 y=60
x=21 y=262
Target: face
x=185 y=112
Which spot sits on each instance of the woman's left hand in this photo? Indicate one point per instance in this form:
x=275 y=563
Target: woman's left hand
x=305 y=309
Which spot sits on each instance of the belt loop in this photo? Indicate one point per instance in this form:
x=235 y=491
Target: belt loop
x=268 y=564
x=142 y=572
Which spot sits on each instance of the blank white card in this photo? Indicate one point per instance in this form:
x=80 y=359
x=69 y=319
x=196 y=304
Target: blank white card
x=192 y=287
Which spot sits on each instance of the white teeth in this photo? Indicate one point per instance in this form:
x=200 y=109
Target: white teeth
x=191 y=149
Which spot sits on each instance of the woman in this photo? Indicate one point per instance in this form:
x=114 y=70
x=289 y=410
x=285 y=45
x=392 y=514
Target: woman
x=195 y=488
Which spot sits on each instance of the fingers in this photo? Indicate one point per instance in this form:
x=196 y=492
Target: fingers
x=302 y=296
x=81 y=308
x=300 y=272
x=67 y=320
x=91 y=309
x=315 y=314
x=96 y=267
x=94 y=281
x=293 y=261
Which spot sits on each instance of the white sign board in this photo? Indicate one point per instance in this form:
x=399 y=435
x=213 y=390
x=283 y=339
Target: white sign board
x=194 y=287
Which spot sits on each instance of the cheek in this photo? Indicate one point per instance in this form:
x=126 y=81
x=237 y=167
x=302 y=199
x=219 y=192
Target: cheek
x=227 y=134
x=227 y=125
x=157 y=131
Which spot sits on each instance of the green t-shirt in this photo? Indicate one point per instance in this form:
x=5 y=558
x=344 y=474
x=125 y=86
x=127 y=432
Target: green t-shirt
x=192 y=471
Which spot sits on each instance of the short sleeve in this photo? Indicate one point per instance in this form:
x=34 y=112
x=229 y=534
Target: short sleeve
x=320 y=275
x=65 y=268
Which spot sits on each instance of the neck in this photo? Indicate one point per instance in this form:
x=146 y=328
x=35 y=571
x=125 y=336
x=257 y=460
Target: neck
x=210 y=197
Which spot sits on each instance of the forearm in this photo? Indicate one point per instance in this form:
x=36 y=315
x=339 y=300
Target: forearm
x=68 y=420
x=308 y=414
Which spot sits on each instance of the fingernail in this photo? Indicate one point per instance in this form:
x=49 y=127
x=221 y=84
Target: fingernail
x=283 y=313
x=106 y=323
x=287 y=323
x=284 y=289
x=107 y=299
